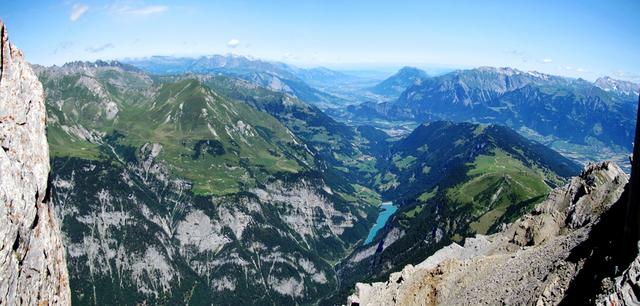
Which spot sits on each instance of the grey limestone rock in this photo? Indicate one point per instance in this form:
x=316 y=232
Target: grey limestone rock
x=33 y=268
x=525 y=264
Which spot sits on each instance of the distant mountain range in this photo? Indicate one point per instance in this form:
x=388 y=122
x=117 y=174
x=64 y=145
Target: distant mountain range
x=582 y=119
x=186 y=186
x=399 y=82
x=273 y=75
x=320 y=86
x=618 y=87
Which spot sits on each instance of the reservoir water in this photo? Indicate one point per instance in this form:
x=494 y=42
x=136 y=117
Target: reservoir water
x=386 y=210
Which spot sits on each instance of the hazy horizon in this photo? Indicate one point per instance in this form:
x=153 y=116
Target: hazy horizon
x=588 y=40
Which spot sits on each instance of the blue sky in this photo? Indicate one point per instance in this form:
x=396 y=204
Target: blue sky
x=574 y=38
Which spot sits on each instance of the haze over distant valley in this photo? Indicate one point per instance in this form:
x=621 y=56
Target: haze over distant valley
x=320 y=152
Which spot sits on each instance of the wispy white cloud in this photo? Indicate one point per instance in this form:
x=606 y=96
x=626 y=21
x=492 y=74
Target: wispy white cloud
x=233 y=43
x=140 y=11
x=626 y=75
x=577 y=71
x=77 y=11
x=289 y=56
x=99 y=48
x=518 y=53
x=546 y=60
x=62 y=46
x=514 y=52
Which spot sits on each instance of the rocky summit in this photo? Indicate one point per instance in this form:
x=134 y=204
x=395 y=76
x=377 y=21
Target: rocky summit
x=33 y=269
x=548 y=257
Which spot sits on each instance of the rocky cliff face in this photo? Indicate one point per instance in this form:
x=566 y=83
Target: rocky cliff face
x=135 y=234
x=33 y=269
x=625 y=287
x=139 y=229
x=623 y=88
x=564 y=248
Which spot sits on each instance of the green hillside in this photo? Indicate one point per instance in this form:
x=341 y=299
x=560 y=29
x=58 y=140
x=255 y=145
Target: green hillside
x=216 y=143
x=225 y=156
x=451 y=181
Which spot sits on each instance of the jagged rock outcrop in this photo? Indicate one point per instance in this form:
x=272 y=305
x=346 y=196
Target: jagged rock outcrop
x=541 y=259
x=33 y=269
x=625 y=289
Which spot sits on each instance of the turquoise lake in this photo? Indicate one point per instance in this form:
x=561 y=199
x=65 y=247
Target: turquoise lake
x=386 y=210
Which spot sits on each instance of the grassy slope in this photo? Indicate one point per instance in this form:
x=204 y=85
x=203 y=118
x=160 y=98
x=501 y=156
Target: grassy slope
x=453 y=180
x=490 y=174
x=264 y=148
x=252 y=145
x=497 y=182
x=344 y=153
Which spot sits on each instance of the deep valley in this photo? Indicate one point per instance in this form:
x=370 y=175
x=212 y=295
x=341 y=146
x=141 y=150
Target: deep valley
x=190 y=183
x=360 y=153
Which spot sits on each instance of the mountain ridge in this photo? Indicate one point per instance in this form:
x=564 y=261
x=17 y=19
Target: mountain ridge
x=157 y=151
x=573 y=116
x=450 y=181
x=551 y=245
x=147 y=134
x=394 y=85
x=273 y=75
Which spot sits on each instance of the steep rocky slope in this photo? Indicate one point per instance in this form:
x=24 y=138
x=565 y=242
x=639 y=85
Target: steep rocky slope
x=200 y=188
x=619 y=87
x=551 y=256
x=171 y=192
x=624 y=287
x=33 y=269
x=451 y=181
x=137 y=233
x=582 y=120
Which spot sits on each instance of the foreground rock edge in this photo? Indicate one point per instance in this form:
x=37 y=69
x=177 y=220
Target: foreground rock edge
x=528 y=262
x=33 y=269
